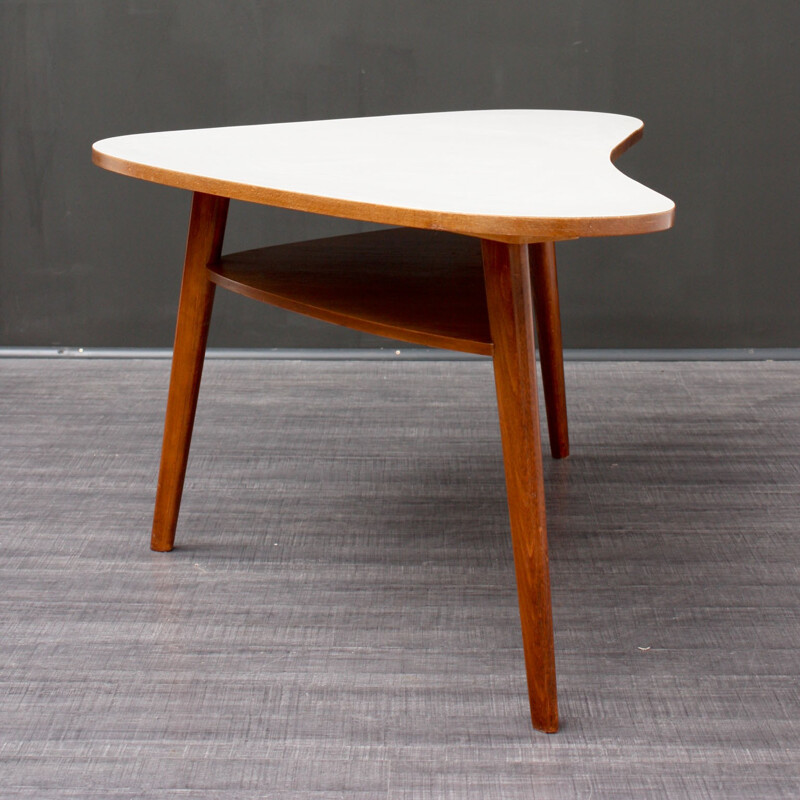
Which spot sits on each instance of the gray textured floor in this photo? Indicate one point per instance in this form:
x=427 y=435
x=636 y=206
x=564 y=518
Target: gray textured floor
x=340 y=618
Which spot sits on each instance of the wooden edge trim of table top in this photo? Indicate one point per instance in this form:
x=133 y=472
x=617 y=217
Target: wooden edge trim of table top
x=511 y=230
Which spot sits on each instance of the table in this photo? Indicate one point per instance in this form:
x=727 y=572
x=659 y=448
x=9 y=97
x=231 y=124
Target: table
x=480 y=198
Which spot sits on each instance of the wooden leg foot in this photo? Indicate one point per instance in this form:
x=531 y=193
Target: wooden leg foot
x=548 y=327
x=508 y=294
x=206 y=229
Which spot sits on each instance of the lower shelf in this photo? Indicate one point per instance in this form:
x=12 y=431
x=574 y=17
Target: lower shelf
x=423 y=287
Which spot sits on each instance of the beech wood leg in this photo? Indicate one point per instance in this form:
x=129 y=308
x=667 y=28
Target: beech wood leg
x=508 y=294
x=206 y=230
x=548 y=328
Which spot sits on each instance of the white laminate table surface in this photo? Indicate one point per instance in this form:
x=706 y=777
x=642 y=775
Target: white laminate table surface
x=519 y=175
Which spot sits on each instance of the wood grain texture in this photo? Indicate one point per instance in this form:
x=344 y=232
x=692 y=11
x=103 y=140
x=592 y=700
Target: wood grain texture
x=508 y=297
x=546 y=304
x=418 y=286
x=206 y=232
x=341 y=621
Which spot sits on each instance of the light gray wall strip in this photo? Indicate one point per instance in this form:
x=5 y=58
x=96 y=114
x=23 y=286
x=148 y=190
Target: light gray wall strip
x=409 y=354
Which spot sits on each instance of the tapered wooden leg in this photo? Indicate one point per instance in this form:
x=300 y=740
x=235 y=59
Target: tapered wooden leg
x=548 y=327
x=206 y=229
x=508 y=294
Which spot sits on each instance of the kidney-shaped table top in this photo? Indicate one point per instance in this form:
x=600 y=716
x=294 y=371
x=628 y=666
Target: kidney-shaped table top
x=513 y=175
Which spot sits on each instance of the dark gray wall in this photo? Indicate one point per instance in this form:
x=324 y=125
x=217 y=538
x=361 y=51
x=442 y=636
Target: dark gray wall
x=88 y=258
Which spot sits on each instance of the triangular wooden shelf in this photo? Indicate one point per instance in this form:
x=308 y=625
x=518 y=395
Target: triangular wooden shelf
x=419 y=286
